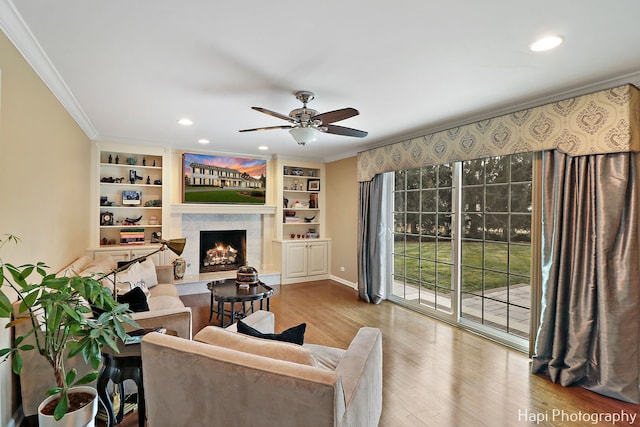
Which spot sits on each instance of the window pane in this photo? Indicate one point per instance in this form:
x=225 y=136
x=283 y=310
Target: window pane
x=445 y=175
x=400 y=179
x=521 y=197
x=428 y=248
x=429 y=200
x=520 y=259
x=474 y=226
x=495 y=285
x=473 y=172
x=497 y=198
x=429 y=224
x=428 y=272
x=496 y=169
x=444 y=200
x=429 y=177
x=398 y=200
x=413 y=223
x=444 y=225
x=521 y=167
x=472 y=254
x=413 y=201
x=471 y=280
x=445 y=251
x=473 y=199
x=497 y=256
x=413 y=179
x=521 y=228
x=444 y=275
x=496 y=227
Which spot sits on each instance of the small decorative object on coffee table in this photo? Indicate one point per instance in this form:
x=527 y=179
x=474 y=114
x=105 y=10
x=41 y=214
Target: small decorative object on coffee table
x=246 y=276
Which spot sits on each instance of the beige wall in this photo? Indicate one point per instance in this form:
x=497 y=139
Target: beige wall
x=342 y=218
x=44 y=178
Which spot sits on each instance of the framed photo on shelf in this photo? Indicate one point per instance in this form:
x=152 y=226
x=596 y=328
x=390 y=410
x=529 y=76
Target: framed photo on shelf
x=313 y=185
x=131 y=197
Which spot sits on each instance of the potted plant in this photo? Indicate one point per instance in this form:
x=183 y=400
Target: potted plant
x=59 y=310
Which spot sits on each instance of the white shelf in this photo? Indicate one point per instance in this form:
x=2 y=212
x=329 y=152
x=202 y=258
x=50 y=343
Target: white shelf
x=136 y=207
x=127 y=184
x=120 y=165
x=132 y=226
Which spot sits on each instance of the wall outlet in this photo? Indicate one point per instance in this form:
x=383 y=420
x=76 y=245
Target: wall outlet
x=341 y=268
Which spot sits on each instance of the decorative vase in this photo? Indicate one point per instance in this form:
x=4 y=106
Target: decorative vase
x=179 y=267
x=83 y=417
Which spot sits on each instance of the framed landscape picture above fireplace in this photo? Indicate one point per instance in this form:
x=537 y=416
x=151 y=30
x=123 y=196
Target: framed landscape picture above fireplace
x=221 y=179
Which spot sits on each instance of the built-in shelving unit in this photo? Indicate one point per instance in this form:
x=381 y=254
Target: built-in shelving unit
x=301 y=246
x=129 y=197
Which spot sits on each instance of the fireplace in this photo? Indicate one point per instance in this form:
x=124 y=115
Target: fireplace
x=222 y=250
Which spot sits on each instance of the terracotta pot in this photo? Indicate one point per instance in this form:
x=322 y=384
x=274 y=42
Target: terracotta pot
x=83 y=417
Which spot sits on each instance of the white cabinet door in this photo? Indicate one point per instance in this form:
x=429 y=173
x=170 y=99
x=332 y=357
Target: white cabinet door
x=318 y=254
x=295 y=259
x=118 y=256
x=157 y=258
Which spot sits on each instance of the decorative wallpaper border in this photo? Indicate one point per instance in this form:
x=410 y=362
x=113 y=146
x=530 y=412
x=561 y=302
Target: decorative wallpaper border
x=602 y=122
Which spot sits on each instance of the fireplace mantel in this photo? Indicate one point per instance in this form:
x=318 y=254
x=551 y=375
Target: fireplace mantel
x=202 y=208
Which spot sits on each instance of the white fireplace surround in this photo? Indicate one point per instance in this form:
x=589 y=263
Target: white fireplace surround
x=188 y=220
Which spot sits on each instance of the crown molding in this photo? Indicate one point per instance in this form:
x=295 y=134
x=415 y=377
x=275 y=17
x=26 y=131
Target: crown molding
x=20 y=35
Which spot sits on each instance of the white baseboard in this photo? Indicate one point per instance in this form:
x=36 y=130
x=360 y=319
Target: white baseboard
x=344 y=282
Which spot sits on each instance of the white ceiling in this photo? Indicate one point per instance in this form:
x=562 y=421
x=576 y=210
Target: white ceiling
x=128 y=70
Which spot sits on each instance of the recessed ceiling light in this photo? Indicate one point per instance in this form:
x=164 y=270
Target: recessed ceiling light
x=185 y=122
x=263 y=147
x=546 y=43
x=203 y=141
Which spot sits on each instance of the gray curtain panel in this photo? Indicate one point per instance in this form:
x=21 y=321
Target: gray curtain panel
x=588 y=334
x=371 y=242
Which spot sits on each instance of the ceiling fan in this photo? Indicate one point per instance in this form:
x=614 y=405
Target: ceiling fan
x=305 y=123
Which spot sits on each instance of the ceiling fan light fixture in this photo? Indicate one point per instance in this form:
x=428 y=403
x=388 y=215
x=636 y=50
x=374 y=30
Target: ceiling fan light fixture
x=304 y=135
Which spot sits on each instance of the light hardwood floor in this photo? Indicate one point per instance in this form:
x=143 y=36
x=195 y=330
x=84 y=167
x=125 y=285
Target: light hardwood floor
x=434 y=373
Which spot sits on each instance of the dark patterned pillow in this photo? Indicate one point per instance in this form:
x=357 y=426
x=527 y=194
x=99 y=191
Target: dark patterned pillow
x=136 y=299
x=294 y=334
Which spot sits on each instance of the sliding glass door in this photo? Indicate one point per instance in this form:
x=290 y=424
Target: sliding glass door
x=462 y=243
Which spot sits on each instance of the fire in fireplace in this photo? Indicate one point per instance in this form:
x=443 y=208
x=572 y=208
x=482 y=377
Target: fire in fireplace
x=222 y=250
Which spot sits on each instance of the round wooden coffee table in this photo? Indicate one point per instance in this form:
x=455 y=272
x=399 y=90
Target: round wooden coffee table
x=227 y=291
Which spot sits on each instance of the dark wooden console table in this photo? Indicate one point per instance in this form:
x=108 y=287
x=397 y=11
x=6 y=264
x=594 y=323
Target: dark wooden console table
x=227 y=291
x=118 y=367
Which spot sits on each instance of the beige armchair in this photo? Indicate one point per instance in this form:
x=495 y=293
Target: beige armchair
x=232 y=380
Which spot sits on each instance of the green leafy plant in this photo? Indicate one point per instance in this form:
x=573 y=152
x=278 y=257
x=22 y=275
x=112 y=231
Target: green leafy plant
x=59 y=310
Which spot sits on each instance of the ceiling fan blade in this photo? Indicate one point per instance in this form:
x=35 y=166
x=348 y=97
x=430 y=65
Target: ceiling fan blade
x=341 y=130
x=267 y=128
x=273 y=113
x=336 y=115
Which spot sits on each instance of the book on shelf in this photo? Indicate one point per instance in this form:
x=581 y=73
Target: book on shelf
x=132 y=236
x=313 y=201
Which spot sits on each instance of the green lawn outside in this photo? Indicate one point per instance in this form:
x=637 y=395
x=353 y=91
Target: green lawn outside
x=199 y=195
x=421 y=264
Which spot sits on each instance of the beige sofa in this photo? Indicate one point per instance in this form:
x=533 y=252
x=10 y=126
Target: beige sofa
x=226 y=378
x=165 y=309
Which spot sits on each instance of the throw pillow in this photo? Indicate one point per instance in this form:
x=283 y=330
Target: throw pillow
x=294 y=334
x=267 y=348
x=136 y=299
x=147 y=271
